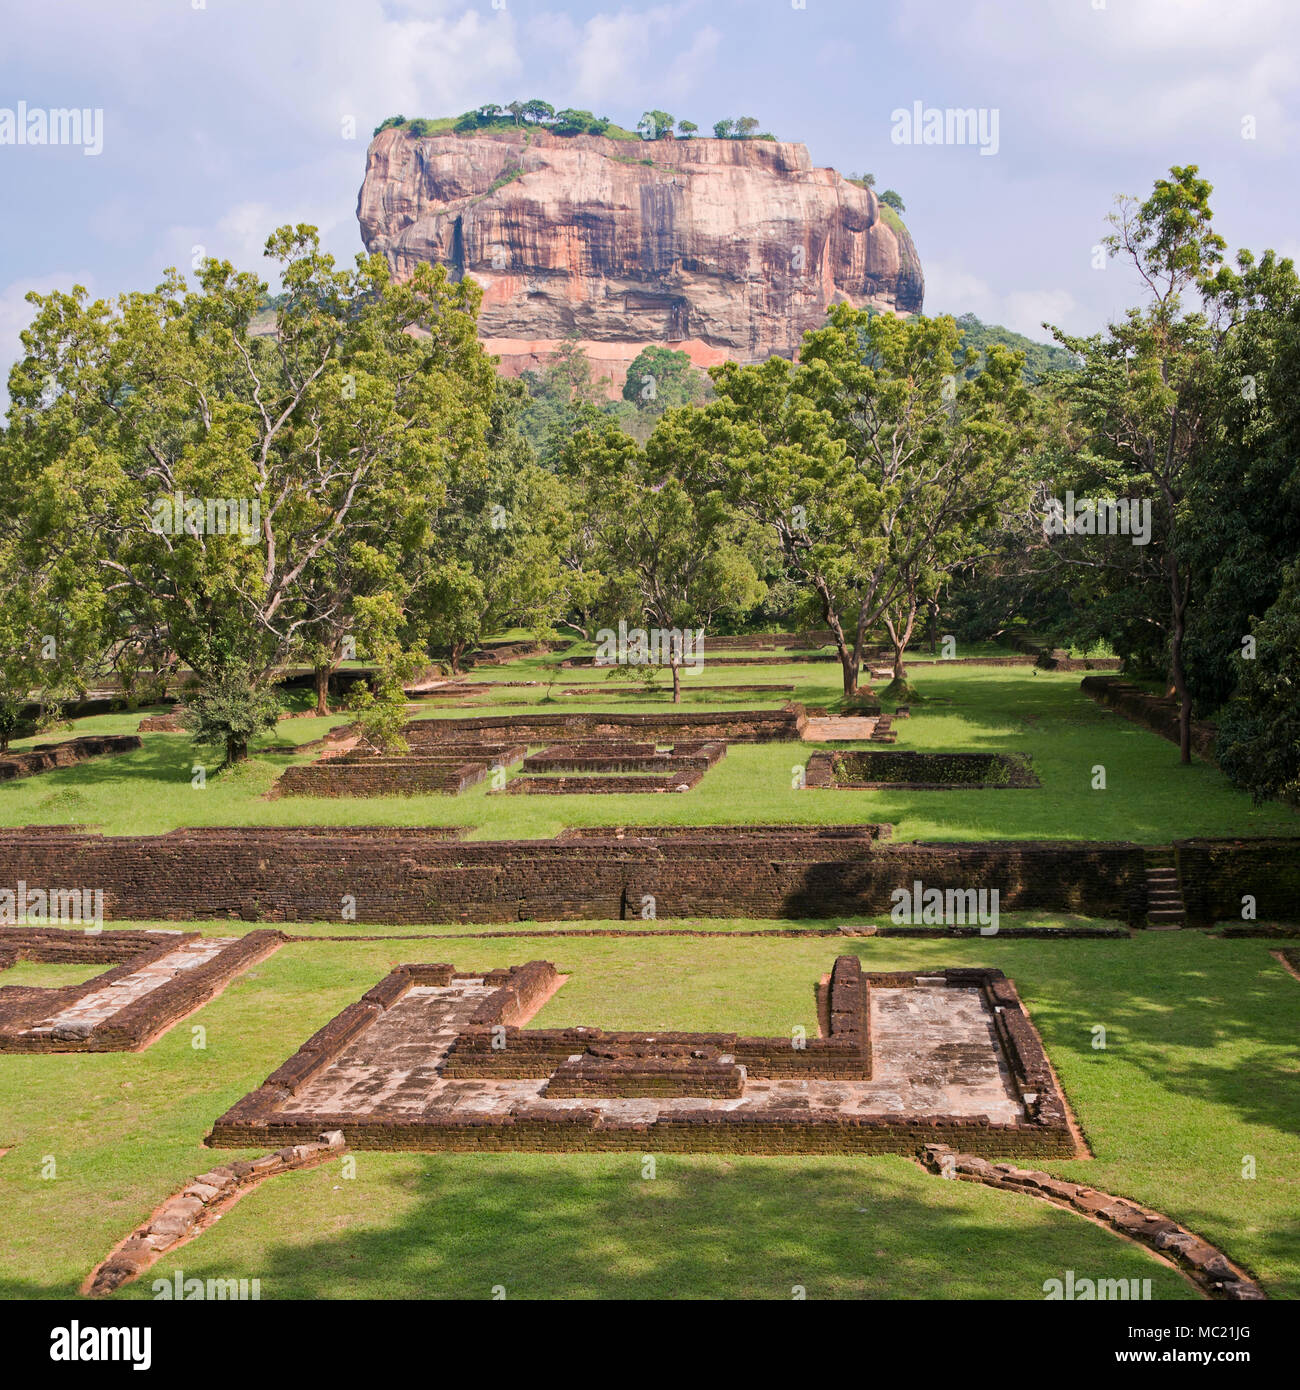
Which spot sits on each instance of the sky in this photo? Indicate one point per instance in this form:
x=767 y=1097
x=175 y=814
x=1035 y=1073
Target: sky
x=222 y=119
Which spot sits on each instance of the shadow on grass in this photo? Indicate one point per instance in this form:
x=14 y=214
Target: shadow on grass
x=591 y=1226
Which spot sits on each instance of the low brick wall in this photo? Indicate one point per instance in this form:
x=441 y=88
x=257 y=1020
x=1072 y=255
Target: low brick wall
x=411 y=877
x=636 y=692
x=590 y=1075
x=137 y=1023
x=732 y=726
x=638 y=758
x=803 y=833
x=382 y=777
x=1217 y=876
x=680 y=780
x=845 y=1054
x=661 y=1064
x=1154 y=712
x=920 y=771
x=46 y=756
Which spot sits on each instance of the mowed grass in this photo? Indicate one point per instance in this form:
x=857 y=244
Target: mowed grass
x=1200 y=1070
x=1148 y=796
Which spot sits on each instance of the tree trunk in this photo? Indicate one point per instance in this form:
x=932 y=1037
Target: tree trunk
x=849 y=661
x=236 y=750
x=322 y=674
x=934 y=627
x=899 y=637
x=677 y=683
x=457 y=651
x=1177 y=668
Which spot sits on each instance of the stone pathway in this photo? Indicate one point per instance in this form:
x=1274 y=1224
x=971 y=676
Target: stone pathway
x=839 y=728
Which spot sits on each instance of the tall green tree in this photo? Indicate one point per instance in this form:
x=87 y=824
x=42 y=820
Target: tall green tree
x=138 y=424
x=668 y=542
x=1150 y=401
x=871 y=461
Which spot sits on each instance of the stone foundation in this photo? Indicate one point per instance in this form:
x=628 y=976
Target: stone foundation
x=44 y=757
x=159 y=978
x=429 y=1060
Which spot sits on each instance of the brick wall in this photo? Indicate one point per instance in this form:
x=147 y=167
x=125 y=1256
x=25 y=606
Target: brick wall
x=1216 y=875
x=137 y=1023
x=412 y=877
x=45 y=756
x=920 y=771
x=662 y=1064
x=382 y=777
x=1154 y=712
x=733 y=726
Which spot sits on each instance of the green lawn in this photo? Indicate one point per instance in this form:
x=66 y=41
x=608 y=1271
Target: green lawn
x=1149 y=797
x=1200 y=1070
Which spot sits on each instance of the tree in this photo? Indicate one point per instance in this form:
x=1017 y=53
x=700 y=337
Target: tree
x=869 y=461
x=563 y=398
x=573 y=122
x=1242 y=513
x=491 y=555
x=660 y=378
x=656 y=125
x=214 y=482
x=226 y=714
x=668 y=542
x=745 y=127
x=1145 y=391
x=686 y=129
x=537 y=111
x=1258 y=743
x=893 y=200
x=51 y=612
x=725 y=129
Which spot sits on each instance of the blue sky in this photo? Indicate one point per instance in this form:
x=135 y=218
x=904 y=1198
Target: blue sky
x=224 y=118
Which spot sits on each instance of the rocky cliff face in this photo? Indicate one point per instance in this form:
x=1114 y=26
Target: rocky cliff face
x=727 y=249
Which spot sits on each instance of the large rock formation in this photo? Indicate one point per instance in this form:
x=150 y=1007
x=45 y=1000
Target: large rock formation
x=727 y=249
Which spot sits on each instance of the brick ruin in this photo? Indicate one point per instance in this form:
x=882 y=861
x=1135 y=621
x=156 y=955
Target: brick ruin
x=449 y=771
x=407 y=875
x=672 y=753
x=731 y=726
x=435 y=1059
x=862 y=770
x=44 y=757
x=1159 y=713
x=155 y=978
x=616 y=767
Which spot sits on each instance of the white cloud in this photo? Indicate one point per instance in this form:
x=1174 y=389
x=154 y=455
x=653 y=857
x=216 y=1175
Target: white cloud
x=952 y=289
x=1025 y=311
x=1129 y=74
x=240 y=236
